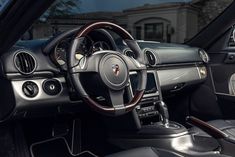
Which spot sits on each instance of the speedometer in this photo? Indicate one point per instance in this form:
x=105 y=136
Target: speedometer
x=86 y=46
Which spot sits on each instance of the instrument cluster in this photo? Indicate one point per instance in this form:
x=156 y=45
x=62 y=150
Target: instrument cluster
x=87 y=47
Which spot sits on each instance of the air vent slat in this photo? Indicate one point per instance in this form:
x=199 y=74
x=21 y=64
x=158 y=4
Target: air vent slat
x=22 y=62
x=31 y=61
x=25 y=62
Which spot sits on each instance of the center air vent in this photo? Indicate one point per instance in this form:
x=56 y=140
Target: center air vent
x=130 y=53
x=150 y=57
x=25 y=62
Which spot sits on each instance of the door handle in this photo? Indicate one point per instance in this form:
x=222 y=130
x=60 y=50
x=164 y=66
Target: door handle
x=230 y=58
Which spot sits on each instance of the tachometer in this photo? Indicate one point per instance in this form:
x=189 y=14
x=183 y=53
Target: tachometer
x=86 y=46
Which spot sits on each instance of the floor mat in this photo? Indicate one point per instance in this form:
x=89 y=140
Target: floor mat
x=6 y=142
x=56 y=147
x=12 y=141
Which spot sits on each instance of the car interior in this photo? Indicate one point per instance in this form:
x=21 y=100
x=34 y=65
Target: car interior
x=96 y=91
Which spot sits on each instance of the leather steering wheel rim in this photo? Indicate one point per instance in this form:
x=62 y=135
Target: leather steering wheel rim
x=141 y=71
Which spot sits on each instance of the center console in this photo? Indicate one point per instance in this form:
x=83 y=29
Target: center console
x=147 y=107
x=152 y=111
x=155 y=128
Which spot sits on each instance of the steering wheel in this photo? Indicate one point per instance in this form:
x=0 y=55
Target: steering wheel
x=113 y=69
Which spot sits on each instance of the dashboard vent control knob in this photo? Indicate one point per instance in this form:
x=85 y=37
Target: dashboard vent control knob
x=30 y=89
x=52 y=87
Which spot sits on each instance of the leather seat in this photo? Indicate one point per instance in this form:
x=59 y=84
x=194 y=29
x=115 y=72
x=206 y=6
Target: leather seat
x=138 y=152
x=152 y=152
x=144 y=152
x=228 y=126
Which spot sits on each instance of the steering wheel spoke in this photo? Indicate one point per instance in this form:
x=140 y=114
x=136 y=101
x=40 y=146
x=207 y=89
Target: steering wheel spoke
x=116 y=99
x=87 y=64
x=134 y=65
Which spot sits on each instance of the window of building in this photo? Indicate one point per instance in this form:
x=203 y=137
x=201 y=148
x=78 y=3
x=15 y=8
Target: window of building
x=138 y=32
x=153 y=31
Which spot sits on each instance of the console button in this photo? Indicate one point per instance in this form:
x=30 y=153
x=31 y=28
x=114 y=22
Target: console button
x=51 y=86
x=30 y=89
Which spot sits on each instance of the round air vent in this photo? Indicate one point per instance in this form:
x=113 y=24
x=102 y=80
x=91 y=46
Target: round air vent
x=25 y=62
x=204 y=56
x=150 y=57
x=130 y=53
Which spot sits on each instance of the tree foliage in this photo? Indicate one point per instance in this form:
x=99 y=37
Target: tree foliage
x=62 y=8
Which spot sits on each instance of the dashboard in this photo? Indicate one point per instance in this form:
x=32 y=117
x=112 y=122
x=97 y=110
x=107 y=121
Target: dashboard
x=35 y=72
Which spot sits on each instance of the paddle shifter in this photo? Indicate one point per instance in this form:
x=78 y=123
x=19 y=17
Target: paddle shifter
x=163 y=110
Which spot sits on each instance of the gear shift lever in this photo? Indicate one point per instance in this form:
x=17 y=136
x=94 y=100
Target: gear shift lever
x=163 y=110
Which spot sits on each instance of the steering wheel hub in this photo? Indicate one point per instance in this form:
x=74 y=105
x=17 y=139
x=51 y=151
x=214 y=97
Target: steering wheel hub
x=113 y=71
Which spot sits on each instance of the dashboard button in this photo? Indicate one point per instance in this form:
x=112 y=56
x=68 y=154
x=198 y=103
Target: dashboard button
x=51 y=87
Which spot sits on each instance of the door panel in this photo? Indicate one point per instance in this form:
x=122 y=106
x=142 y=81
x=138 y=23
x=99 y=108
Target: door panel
x=221 y=74
x=222 y=67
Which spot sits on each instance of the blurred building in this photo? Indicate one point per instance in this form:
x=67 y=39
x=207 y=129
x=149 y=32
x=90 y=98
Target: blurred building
x=166 y=22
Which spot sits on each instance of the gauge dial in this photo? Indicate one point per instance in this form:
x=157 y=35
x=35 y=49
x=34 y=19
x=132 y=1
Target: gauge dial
x=60 y=52
x=62 y=49
x=100 y=45
x=86 y=46
x=79 y=56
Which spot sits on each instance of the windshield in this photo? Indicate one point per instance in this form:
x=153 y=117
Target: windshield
x=3 y=5
x=172 y=21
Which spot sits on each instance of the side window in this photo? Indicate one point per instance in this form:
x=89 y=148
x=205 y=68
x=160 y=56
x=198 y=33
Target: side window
x=138 y=32
x=222 y=54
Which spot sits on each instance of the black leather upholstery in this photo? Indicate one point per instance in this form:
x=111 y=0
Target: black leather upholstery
x=228 y=126
x=138 y=152
x=145 y=152
x=152 y=152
